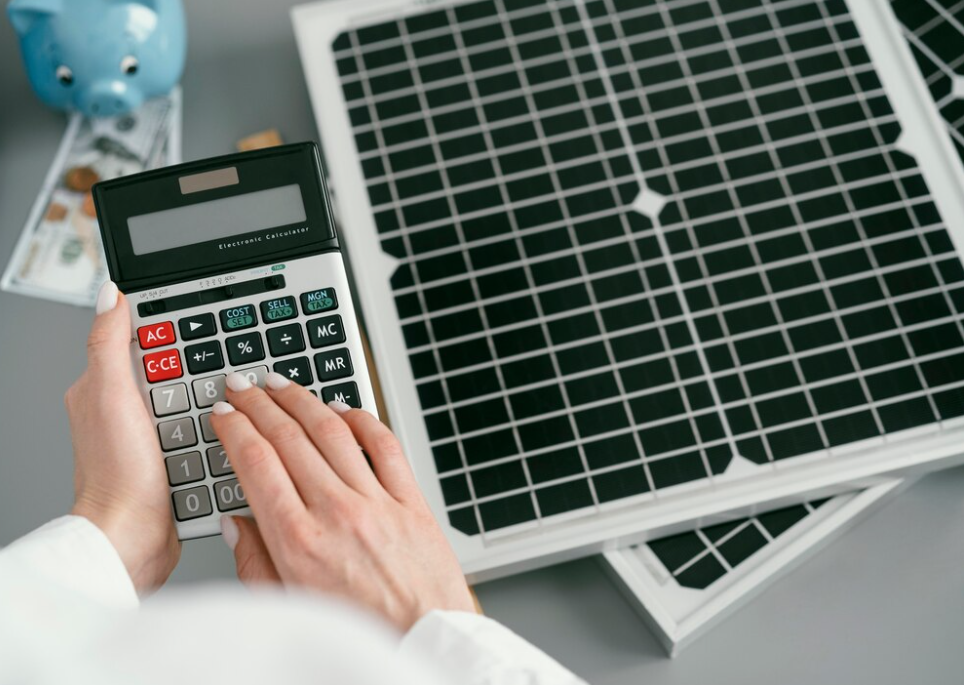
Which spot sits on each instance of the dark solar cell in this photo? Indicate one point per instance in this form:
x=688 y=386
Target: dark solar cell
x=505 y=154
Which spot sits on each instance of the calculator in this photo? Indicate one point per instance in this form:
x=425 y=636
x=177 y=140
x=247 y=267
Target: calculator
x=229 y=264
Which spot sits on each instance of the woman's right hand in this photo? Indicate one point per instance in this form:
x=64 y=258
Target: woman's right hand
x=325 y=519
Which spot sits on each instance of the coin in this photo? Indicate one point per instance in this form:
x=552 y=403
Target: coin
x=56 y=212
x=88 y=207
x=81 y=178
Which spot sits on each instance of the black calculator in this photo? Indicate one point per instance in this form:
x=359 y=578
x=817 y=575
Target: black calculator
x=229 y=264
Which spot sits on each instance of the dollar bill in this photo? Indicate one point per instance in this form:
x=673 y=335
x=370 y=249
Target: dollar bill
x=59 y=255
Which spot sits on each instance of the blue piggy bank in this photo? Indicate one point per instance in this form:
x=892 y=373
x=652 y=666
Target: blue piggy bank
x=102 y=57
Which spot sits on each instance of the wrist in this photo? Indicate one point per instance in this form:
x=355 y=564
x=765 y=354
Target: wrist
x=148 y=553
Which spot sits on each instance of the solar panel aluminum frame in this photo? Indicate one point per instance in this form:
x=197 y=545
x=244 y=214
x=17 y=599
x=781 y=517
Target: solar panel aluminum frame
x=678 y=616
x=633 y=520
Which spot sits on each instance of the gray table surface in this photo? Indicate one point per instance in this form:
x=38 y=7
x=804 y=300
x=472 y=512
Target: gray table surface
x=884 y=604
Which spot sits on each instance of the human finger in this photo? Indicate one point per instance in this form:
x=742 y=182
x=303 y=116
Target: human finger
x=327 y=431
x=251 y=555
x=313 y=477
x=382 y=447
x=267 y=485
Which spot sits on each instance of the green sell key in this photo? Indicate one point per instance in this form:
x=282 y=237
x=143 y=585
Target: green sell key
x=279 y=309
x=317 y=301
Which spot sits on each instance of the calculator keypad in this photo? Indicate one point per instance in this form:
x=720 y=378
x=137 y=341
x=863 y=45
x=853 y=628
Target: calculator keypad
x=326 y=331
x=204 y=357
x=192 y=503
x=297 y=370
x=162 y=366
x=265 y=331
x=218 y=461
x=207 y=431
x=333 y=364
x=177 y=434
x=230 y=495
x=197 y=326
x=170 y=399
x=184 y=468
x=245 y=349
x=345 y=392
x=209 y=390
x=285 y=340
x=238 y=318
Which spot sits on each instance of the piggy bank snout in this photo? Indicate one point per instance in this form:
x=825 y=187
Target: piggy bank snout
x=108 y=98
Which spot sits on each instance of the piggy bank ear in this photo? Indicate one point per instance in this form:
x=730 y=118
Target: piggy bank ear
x=24 y=13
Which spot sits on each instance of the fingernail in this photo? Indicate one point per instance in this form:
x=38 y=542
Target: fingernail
x=237 y=382
x=276 y=381
x=338 y=407
x=107 y=297
x=222 y=408
x=230 y=532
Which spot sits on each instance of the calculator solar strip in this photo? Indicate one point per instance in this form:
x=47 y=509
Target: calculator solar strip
x=698 y=558
x=935 y=31
x=638 y=239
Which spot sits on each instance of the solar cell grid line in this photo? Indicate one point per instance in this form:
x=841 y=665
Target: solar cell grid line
x=810 y=225
x=407 y=230
x=475 y=514
x=388 y=95
x=718 y=157
x=561 y=388
x=825 y=252
x=554 y=172
x=402 y=117
x=655 y=220
x=496 y=368
x=725 y=99
x=684 y=555
x=930 y=33
x=609 y=155
x=917 y=224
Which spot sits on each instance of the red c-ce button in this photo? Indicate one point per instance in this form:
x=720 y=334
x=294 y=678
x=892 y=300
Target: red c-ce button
x=156 y=334
x=162 y=366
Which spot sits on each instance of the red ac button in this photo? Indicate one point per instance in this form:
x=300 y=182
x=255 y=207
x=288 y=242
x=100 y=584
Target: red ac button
x=162 y=366
x=156 y=334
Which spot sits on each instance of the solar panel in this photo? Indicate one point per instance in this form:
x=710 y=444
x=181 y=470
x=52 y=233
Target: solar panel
x=935 y=32
x=687 y=583
x=628 y=263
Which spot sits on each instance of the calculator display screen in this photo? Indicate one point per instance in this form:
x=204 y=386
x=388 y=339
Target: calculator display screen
x=216 y=219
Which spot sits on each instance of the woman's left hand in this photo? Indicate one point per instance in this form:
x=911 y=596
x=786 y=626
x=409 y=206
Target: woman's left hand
x=119 y=479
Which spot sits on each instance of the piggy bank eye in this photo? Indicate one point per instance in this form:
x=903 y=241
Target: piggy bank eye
x=129 y=65
x=65 y=75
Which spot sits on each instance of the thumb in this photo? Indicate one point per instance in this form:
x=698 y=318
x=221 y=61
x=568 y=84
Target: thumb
x=250 y=553
x=108 y=345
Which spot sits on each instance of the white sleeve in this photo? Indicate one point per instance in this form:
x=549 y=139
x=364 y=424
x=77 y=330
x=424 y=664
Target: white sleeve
x=70 y=554
x=482 y=652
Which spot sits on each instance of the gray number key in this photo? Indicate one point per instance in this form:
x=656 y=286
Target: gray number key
x=256 y=375
x=192 y=503
x=184 y=468
x=207 y=391
x=177 y=434
x=207 y=432
x=229 y=495
x=171 y=399
x=218 y=461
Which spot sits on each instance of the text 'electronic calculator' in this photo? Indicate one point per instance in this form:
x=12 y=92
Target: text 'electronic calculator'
x=229 y=264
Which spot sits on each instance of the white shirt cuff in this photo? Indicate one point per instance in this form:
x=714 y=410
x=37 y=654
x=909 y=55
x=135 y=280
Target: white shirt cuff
x=479 y=651
x=74 y=554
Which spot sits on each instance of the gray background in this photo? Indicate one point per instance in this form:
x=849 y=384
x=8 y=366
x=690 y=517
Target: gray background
x=885 y=604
